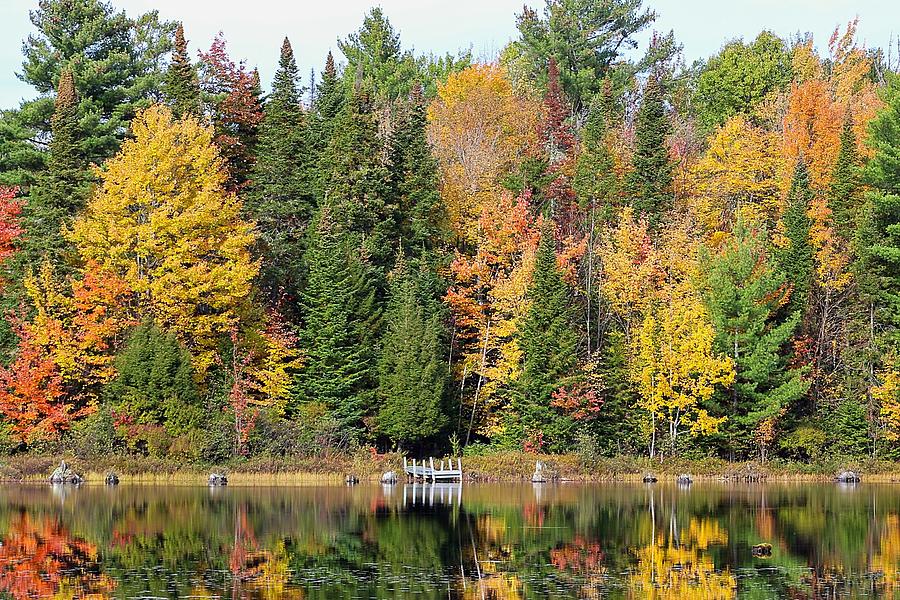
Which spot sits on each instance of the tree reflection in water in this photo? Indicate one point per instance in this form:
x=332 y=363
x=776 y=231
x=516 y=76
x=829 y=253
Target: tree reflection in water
x=499 y=542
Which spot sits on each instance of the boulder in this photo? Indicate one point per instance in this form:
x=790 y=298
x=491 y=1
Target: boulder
x=389 y=478
x=218 y=479
x=649 y=478
x=685 y=479
x=111 y=478
x=847 y=477
x=351 y=479
x=538 y=475
x=63 y=475
x=762 y=550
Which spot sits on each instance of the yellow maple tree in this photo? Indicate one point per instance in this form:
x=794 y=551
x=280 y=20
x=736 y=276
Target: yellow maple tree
x=480 y=130
x=163 y=221
x=674 y=365
x=739 y=175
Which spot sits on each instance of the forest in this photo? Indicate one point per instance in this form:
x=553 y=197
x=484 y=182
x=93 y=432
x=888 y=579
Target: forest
x=578 y=245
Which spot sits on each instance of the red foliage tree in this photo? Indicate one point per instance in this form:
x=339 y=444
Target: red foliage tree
x=237 y=110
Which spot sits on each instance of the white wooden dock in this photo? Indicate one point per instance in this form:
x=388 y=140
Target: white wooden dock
x=429 y=472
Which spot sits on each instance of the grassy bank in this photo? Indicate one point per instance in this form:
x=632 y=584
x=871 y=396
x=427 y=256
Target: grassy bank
x=502 y=466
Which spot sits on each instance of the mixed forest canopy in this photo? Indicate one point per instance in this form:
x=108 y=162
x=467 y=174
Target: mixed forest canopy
x=582 y=244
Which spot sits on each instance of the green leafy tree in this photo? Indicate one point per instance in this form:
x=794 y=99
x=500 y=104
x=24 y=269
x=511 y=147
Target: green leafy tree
x=340 y=326
x=650 y=181
x=412 y=374
x=743 y=291
x=548 y=344
x=155 y=383
x=281 y=198
x=182 y=87
x=739 y=77
x=796 y=259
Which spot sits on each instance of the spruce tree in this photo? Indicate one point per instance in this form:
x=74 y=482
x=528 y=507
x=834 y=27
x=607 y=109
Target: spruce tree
x=843 y=193
x=595 y=180
x=339 y=326
x=743 y=292
x=62 y=189
x=329 y=100
x=412 y=375
x=280 y=198
x=796 y=260
x=358 y=181
x=414 y=173
x=155 y=381
x=650 y=181
x=548 y=343
x=182 y=88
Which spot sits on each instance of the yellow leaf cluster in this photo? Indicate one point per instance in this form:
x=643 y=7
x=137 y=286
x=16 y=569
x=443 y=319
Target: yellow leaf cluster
x=675 y=367
x=479 y=130
x=888 y=397
x=738 y=175
x=163 y=220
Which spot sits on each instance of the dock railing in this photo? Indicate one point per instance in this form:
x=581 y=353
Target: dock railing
x=419 y=470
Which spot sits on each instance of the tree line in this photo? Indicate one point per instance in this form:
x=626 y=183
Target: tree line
x=562 y=248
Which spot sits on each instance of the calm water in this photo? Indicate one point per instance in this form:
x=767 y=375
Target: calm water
x=567 y=541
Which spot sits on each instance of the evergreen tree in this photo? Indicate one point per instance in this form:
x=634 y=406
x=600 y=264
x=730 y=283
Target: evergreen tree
x=280 y=197
x=796 y=260
x=358 y=181
x=743 y=293
x=329 y=100
x=155 y=381
x=117 y=63
x=375 y=58
x=595 y=180
x=182 y=88
x=414 y=175
x=62 y=189
x=548 y=343
x=412 y=376
x=650 y=181
x=339 y=328
x=845 y=183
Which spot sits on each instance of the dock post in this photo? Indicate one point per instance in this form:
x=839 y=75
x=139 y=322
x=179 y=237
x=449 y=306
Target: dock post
x=431 y=460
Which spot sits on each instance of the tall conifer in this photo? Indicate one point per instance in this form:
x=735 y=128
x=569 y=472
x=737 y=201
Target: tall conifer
x=281 y=197
x=339 y=329
x=412 y=374
x=796 y=259
x=650 y=181
x=62 y=190
x=181 y=87
x=548 y=343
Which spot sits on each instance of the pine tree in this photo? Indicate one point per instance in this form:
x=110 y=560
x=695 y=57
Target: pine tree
x=743 y=293
x=62 y=190
x=280 y=198
x=796 y=260
x=548 y=343
x=650 y=181
x=339 y=326
x=412 y=376
x=182 y=88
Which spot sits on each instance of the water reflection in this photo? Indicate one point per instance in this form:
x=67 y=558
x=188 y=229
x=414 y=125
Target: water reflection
x=444 y=541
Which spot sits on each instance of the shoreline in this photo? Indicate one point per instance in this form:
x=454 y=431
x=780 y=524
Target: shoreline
x=501 y=467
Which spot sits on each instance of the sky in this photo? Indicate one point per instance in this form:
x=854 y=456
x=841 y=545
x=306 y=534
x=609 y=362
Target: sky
x=254 y=29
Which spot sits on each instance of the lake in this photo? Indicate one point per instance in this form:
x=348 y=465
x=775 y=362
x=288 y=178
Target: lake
x=478 y=541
